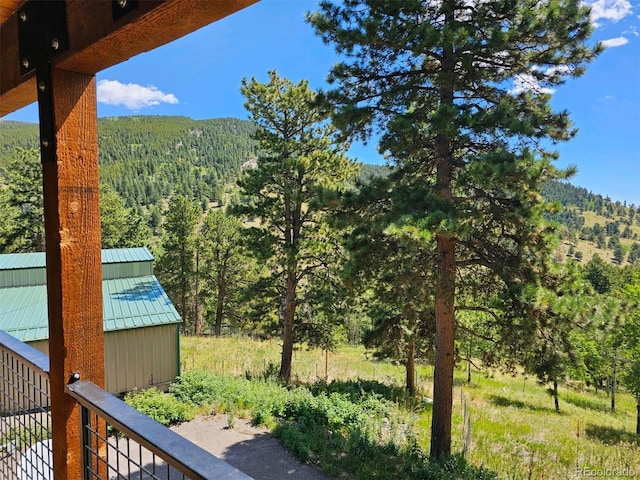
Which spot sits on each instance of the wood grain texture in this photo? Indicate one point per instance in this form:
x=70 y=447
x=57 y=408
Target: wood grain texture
x=74 y=268
x=98 y=42
x=8 y=7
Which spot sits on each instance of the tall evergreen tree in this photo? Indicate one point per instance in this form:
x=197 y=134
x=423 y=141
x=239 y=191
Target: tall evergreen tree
x=121 y=227
x=391 y=266
x=8 y=217
x=630 y=336
x=24 y=185
x=224 y=266
x=299 y=160
x=176 y=265
x=460 y=91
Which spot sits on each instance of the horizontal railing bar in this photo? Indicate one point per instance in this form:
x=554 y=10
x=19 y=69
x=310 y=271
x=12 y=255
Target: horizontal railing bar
x=29 y=355
x=180 y=453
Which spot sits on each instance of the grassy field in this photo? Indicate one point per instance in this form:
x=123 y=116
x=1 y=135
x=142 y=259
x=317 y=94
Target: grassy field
x=514 y=430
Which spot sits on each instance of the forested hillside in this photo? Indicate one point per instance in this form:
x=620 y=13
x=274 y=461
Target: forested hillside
x=148 y=159
x=593 y=224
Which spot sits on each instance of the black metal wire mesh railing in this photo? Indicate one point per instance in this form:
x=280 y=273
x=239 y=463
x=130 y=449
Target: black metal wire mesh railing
x=122 y=443
x=118 y=442
x=25 y=421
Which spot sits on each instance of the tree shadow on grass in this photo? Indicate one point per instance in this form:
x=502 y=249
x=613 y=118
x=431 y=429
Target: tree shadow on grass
x=610 y=436
x=587 y=404
x=354 y=454
x=501 y=401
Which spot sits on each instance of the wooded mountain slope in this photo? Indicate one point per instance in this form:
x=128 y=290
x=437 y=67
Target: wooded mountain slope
x=147 y=159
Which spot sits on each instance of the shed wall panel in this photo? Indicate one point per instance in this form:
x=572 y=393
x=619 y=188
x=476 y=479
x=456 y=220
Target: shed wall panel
x=141 y=357
x=126 y=270
x=136 y=358
x=22 y=277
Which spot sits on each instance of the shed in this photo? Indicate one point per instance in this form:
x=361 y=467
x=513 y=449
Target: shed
x=141 y=326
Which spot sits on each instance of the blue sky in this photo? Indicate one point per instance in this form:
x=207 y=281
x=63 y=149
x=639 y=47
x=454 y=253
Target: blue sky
x=199 y=76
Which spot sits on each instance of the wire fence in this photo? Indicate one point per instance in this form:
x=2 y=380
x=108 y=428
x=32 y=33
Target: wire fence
x=25 y=420
x=118 y=442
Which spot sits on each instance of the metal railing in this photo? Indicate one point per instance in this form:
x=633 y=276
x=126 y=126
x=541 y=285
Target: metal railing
x=25 y=420
x=118 y=442
x=122 y=443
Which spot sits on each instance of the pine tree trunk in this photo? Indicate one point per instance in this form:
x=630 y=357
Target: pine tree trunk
x=197 y=312
x=445 y=340
x=446 y=269
x=411 y=367
x=638 y=416
x=183 y=313
x=556 y=401
x=287 y=331
x=222 y=293
x=469 y=361
x=614 y=382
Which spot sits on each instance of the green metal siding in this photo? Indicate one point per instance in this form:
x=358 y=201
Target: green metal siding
x=126 y=270
x=23 y=277
x=140 y=358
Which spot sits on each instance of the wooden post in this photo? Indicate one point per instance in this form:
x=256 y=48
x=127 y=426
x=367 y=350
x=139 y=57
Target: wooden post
x=74 y=269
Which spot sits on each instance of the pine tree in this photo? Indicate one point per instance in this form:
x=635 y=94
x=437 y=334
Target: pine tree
x=24 y=186
x=121 y=227
x=391 y=267
x=224 y=266
x=299 y=160
x=460 y=91
x=176 y=265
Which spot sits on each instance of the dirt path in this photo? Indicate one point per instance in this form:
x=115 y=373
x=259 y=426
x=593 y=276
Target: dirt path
x=251 y=450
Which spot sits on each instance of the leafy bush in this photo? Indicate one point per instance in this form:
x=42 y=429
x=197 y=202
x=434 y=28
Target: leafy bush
x=197 y=387
x=163 y=408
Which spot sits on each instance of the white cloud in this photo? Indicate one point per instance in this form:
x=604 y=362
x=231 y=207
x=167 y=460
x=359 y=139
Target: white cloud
x=615 y=42
x=528 y=83
x=612 y=10
x=633 y=30
x=131 y=95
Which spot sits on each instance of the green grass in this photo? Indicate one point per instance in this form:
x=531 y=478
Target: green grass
x=515 y=431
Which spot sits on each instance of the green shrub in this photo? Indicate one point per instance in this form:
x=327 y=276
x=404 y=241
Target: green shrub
x=197 y=387
x=163 y=408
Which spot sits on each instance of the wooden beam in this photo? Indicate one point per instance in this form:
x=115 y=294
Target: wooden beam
x=97 y=41
x=74 y=267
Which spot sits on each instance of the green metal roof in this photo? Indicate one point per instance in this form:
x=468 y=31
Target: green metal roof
x=14 y=261
x=127 y=303
x=126 y=255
